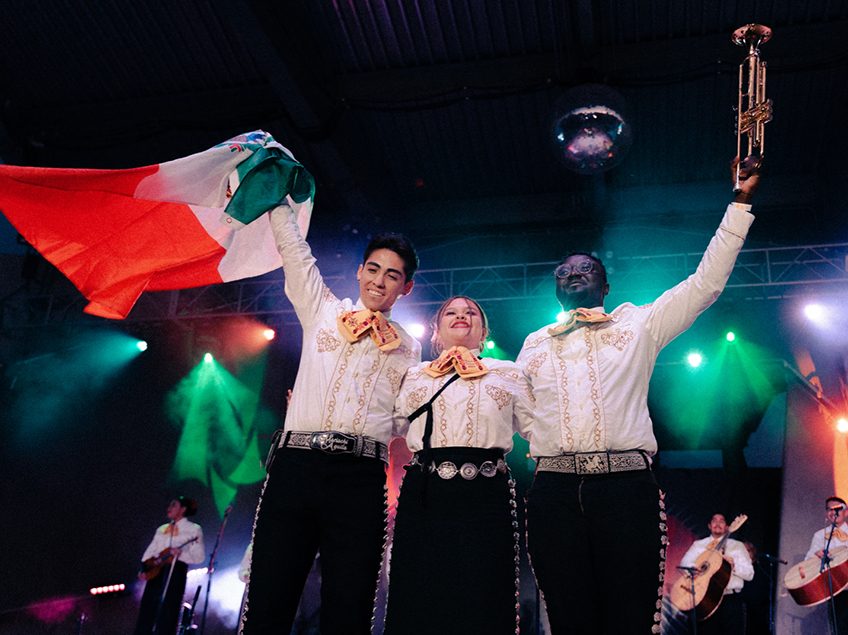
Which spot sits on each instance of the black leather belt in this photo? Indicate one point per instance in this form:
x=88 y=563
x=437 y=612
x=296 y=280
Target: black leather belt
x=332 y=442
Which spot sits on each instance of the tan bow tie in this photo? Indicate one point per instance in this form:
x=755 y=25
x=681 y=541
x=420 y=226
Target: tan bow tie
x=171 y=529
x=576 y=317
x=840 y=535
x=353 y=325
x=459 y=358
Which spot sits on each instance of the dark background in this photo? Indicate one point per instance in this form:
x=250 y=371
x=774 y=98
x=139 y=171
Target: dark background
x=432 y=118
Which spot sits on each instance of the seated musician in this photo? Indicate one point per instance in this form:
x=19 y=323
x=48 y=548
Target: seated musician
x=179 y=542
x=836 y=514
x=730 y=616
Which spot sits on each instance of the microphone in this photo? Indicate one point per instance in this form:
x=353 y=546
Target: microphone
x=692 y=570
x=836 y=509
x=772 y=558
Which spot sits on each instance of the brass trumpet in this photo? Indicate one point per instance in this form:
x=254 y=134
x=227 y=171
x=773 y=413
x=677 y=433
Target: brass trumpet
x=753 y=110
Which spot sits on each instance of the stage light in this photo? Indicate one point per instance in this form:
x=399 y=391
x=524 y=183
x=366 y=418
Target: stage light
x=561 y=316
x=269 y=334
x=730 y=337
x=816 y=313
x=694 y=359
x=842 y=424
x=490 y=344
x=141 y=345
x=110 y=588
x=207 y=357
x=417 y=330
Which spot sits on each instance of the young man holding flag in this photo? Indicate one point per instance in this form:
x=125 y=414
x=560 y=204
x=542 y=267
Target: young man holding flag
x=325 y=489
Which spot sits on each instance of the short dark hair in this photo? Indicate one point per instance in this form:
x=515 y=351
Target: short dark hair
x=834 y=499
x=189 y=504
x=399 y=244
x=598 y=262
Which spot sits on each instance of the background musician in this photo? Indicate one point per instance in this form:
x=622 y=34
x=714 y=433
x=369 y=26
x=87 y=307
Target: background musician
x=730 y=616
x=836 y=512
x=184 y=540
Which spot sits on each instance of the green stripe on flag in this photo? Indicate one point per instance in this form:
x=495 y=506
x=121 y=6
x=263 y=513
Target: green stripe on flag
x=267 y=177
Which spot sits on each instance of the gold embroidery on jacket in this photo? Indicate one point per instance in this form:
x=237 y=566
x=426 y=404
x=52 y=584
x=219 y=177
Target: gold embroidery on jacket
x=618 y=339
x=326 y=340
x=499 y=396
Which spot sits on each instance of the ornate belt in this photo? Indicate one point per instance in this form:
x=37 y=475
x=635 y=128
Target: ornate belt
x=332 y=442
x=469 y=471
x=594 y=462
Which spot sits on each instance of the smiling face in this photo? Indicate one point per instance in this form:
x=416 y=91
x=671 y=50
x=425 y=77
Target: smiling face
x=580 y=282
x=382 y=280
x=460 y=322
x=718 y=525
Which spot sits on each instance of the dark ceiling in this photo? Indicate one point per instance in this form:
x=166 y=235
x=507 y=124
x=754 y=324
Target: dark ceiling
x=435 y=117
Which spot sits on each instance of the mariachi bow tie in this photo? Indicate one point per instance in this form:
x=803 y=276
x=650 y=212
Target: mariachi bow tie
x=171 y=529
x=353 y=325
x=458 y=358
x=840 y=535
x=579 y=316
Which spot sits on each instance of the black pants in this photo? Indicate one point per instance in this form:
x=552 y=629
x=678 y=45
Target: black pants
x=453 y=561
x=315 y=502
x=730 y=618
x=597 y=546
x=170 y=611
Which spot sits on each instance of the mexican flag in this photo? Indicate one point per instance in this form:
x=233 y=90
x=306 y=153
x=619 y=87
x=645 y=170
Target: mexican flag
x=191 y=222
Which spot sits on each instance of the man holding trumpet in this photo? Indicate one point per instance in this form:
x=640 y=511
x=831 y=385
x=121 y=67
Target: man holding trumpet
x=593 y=437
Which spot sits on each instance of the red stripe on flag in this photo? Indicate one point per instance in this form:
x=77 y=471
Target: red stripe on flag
x=111 y=246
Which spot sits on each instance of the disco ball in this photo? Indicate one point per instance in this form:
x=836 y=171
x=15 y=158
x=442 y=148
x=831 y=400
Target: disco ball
x=591 y=133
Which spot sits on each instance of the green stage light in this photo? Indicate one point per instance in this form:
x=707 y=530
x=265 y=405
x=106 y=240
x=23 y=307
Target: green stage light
x=490 y=345
x=731 y=336
x=207 y=357
x=141 y=345
x=694 y=359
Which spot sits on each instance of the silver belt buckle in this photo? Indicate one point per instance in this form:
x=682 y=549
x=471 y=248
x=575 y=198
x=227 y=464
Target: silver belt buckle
x=488 y=469
x=468 y=471
x=331 y=442
x=446 y=470
x=591 y=463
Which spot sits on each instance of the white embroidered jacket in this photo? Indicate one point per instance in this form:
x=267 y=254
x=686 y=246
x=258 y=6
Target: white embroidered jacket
x=591 y=383
x=339 y=386
x=481 y=413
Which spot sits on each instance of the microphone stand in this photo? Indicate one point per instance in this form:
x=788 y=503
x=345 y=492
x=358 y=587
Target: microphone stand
x=164 y=593
x=825 y=564
x=167 y=582
x=693 y=618
x=770 y=572
x=211 y=568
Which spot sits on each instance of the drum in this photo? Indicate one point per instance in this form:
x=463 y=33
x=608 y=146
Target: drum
x=808 y=585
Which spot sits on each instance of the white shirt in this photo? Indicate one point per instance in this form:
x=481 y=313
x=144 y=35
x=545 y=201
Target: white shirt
x=339 y=386
x=820 y=538
x=591 y=383
x=192 y=553
x=481 y=413
x=743 y=568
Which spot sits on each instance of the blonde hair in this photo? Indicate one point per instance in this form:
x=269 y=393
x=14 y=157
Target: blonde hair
x=435 y=342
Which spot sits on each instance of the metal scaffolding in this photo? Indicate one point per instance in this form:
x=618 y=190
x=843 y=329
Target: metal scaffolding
x=761 y=274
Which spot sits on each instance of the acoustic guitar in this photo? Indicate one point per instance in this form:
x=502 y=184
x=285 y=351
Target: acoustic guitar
x=808 y=584
x=151 y=567
x=712 y=573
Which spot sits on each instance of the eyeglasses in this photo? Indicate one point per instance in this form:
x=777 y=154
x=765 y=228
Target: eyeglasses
x=566 y=269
